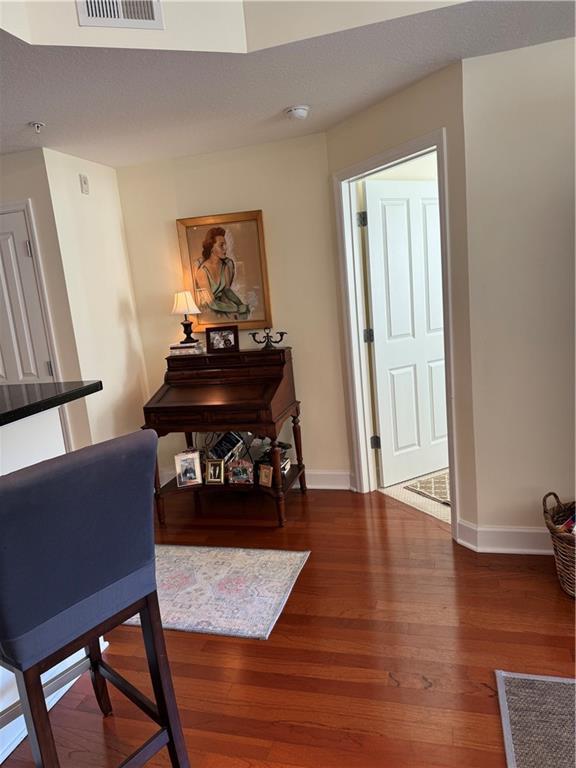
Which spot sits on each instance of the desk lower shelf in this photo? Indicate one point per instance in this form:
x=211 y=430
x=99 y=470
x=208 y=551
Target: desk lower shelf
x=170 y=488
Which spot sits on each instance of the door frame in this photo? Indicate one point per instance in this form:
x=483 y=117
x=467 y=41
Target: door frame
x=364 y=476
x=26 y=207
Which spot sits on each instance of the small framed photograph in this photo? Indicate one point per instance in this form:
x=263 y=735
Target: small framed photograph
x=188 y=469
x=223 y=338
x=214 y=474
x=265 y=473
x=240 y=472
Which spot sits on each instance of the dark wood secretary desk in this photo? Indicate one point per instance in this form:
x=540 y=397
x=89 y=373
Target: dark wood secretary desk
x=245 y=391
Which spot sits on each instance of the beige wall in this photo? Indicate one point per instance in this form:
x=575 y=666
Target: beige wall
x=23 y=177
x=97 y=273
x=511 y=281
x=289 y=181
x=429 y=104
x=519 y=118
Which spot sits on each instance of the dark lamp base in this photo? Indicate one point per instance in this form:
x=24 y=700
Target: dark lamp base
x=188 y=338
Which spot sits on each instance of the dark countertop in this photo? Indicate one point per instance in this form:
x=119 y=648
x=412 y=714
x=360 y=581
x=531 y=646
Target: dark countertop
x=17 y=401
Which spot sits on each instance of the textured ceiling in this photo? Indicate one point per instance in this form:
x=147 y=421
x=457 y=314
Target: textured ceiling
x=122 y=107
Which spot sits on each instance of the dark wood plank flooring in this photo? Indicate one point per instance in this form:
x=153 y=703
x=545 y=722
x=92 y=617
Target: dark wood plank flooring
x=384 y=655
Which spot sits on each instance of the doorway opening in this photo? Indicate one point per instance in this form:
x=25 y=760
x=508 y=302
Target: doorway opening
x=395 y=253
x=28 y=352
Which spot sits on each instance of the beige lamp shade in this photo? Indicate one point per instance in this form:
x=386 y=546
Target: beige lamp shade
x=184 y=304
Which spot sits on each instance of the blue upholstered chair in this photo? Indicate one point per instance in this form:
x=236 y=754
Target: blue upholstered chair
x=76 y=560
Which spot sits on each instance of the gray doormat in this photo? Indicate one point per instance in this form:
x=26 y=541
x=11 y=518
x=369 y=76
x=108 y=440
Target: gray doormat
x=537 y=719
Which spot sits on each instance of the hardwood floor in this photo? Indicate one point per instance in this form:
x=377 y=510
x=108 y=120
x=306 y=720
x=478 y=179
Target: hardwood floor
x=384 y=655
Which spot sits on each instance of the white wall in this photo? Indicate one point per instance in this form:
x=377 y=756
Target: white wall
x=205 y=25
x=99 y=284
x=288 y=180
x=519 y=128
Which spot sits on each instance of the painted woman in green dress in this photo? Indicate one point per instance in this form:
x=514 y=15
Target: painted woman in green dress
x=214 y=277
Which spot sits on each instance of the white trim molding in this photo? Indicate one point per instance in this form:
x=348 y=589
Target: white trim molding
x=513 y=540
x=316 y=479
x=328 y=479
x=364 y=475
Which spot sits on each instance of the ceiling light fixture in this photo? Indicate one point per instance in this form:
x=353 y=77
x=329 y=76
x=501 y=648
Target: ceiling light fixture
x=37 y=125
x=297 y=112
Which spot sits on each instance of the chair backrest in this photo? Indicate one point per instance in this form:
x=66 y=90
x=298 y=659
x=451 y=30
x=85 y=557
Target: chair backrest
x=71 y=528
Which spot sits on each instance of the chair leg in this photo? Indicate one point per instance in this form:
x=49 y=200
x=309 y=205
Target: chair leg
x=162 y=680
x=98 y=682
x=36 y=717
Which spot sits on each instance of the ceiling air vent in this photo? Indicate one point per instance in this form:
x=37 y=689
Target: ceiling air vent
x=135 y=14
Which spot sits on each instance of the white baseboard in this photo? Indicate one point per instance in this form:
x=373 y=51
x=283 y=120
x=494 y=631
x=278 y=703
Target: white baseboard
x=328 y=479
x=166 y=475
x=318 y=479
x=505 y=540
x=12 y=734
x=15 y=733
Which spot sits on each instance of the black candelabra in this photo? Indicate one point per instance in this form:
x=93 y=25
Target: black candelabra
x=268 y=341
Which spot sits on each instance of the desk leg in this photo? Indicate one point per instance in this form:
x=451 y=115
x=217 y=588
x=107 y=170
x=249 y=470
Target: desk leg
x=158 y=500
x=278 y=485
x=298 y=445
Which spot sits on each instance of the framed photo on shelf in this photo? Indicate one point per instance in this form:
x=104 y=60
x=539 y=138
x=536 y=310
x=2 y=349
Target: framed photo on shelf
x=265 y=473
x=223 y=338
x=240 y=472
x=214 y=474
x=224 y=263
x=188 y=469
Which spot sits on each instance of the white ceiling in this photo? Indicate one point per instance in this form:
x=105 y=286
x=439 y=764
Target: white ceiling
x=123 y=107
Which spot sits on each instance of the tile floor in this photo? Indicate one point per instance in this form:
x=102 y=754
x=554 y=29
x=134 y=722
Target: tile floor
x=434 y=508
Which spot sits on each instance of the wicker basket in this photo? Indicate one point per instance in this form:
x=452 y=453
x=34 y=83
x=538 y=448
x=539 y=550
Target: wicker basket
x=563 y=543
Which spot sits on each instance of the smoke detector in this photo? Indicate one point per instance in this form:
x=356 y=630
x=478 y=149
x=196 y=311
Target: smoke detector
x=297 y=112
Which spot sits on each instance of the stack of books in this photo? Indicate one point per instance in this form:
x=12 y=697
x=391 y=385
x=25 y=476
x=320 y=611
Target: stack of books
x=187 y=349
x=266 y=458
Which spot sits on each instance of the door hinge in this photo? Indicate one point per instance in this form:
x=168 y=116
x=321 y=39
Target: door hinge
x=29 y=249
x=50 y=367
x=375 y=442
x=369 y=335
x=362 y=218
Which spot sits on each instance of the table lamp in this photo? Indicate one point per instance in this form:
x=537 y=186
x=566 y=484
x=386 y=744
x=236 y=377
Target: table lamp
x=184 y=305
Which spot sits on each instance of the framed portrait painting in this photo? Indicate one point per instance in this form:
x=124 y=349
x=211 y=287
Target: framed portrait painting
x=224 y=264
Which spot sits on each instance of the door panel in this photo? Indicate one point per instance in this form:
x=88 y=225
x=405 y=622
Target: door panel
x=404 y=401
x=398 y=267
x=24 y=349
x=406 y=296
x=437 y=380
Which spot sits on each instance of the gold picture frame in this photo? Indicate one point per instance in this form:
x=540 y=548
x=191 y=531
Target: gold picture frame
x=224 y=266
x=214 y=473
x=265 y=475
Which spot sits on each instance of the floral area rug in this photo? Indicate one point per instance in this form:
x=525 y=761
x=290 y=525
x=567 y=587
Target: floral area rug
x=223 y=590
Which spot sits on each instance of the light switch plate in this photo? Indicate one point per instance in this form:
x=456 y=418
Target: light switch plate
x=84 y=185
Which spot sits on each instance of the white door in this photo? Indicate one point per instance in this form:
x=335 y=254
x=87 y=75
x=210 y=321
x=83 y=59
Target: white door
x=406 y=296
x=24 y=349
